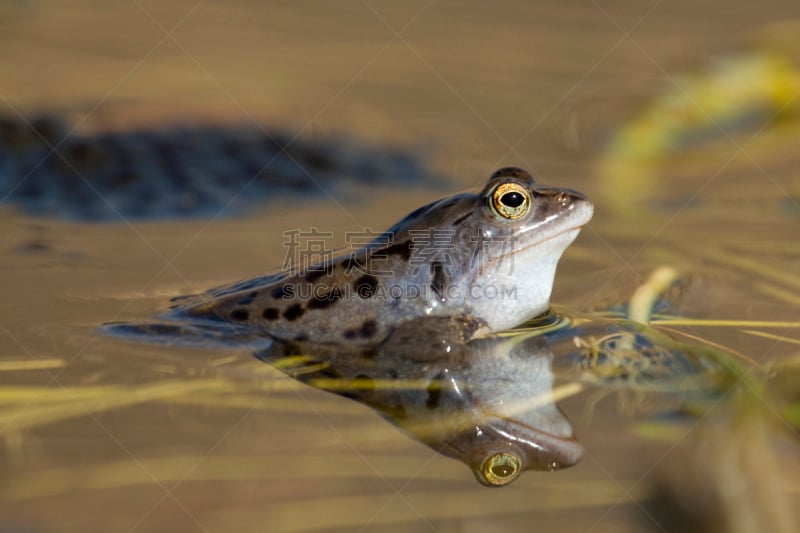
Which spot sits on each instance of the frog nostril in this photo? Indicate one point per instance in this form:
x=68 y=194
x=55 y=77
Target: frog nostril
x=563 y=199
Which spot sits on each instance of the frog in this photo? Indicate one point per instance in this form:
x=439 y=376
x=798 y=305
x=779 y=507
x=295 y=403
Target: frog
x=485 y=257
x=472 y=378
x=185 y=170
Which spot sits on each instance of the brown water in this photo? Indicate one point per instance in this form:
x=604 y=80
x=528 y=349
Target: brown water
x=101 y=435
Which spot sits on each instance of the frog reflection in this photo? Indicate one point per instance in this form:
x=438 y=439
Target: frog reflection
x=490 y=402
x=487 y=403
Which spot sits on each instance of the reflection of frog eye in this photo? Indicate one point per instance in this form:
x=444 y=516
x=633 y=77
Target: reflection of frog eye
x=510 y=200
x=500 y=469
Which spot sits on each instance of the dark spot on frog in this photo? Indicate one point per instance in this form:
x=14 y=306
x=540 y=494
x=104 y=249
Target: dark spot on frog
x=284 y=291
x=301 y=338
x=232 y=148
x=313 y=275
x=49 y=129
x=322 y=301
x=240 y=315
x=435 y=391
x=126 y=176
x=439 y=283
x=270 y=313
x=293 y=312
x=368 y=329
x=83 y=155
x=371 y=353
x=274 y=142
x=316 y=161
x=366 y=286
x=12 y=133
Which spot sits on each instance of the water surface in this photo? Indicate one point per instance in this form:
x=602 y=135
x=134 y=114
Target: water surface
x=101 y=435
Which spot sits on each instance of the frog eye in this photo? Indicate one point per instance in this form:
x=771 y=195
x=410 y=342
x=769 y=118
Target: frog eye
x=500 y=469
x=510 y=200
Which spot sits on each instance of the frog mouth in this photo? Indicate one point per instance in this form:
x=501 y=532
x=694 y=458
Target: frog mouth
x=575 y=229
x=543 y=448
x=538 y=450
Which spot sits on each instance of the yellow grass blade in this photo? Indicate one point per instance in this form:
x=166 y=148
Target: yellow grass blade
x=31 y=364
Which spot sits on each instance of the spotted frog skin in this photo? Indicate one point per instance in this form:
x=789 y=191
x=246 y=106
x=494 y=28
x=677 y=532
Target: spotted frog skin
x=492 y=267
x=181 y=170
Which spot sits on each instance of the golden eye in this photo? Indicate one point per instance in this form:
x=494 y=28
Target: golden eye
x=510 y=200
x=500 y=469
